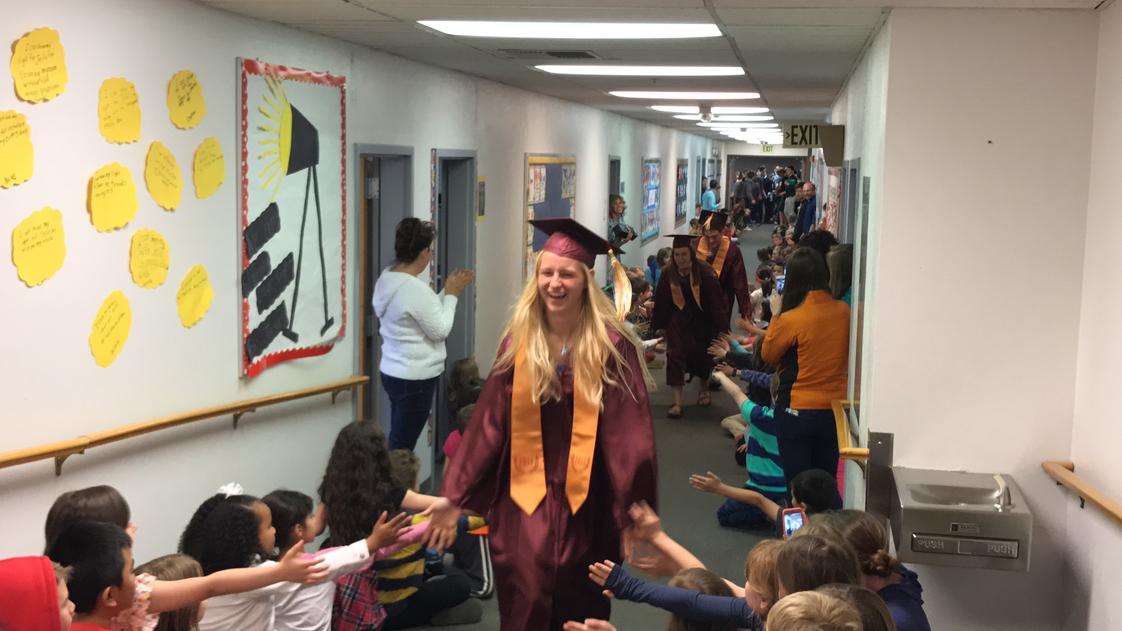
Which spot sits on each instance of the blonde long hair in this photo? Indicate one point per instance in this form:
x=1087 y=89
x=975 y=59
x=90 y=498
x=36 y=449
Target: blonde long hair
x=592 y=355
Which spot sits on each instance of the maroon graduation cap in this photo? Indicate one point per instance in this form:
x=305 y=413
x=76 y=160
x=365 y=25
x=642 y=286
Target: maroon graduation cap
x=682 y=240
x=712 y=220
x=570 y=239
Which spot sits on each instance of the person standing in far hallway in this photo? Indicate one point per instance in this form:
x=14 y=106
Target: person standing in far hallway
x=618 y=231
x=413 y=321
x=808 y=215
x=689 y=307
x=709 y=199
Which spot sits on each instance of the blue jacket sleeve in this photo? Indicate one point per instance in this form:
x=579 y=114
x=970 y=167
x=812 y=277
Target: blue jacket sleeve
x=684 y=603
x=756 y=378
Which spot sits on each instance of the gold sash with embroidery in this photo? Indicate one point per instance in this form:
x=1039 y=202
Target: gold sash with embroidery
x=676 y=292
x=527 y=456
x=718 y=264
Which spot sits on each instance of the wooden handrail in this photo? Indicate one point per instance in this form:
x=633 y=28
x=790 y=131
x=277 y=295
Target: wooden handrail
x=1064 y=474
x=841 y=421
x=63 y=449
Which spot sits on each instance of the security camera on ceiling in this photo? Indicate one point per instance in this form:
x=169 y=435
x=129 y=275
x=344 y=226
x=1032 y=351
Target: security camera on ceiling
x=706 y=113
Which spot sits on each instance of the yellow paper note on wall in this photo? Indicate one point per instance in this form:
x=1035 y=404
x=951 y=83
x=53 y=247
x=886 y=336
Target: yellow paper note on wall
x=162 y=176
x=194 y=296
x=186 y=103
x=118 y=111
x=111 y=197
x=149 y=257
x=110 y=329
x=38 y=246
x=17 y=156
x=39 y=66
x=209 y=168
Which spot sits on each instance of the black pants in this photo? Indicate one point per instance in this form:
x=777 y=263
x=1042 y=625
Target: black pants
x=808 y=439
x=435 y=595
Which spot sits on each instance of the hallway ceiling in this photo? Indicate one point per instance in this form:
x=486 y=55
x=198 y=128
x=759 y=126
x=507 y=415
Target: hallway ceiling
x=797 y=55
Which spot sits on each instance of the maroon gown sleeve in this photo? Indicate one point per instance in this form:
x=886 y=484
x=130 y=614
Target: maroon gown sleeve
x=713 y=304
x=627 y=442
x=739 y=282
x=474 y=478
x=663 y=302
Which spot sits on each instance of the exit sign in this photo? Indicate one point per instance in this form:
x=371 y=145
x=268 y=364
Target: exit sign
x=802 y=135
x=830 y=138
x=766 y=148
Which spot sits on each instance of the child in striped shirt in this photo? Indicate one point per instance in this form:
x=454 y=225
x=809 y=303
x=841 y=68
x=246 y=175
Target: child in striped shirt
x=765 y=467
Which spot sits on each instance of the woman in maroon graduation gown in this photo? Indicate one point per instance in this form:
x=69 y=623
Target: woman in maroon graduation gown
x=690 y=307
x=561 y=442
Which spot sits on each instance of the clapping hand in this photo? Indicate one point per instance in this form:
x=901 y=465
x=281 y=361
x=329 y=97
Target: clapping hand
x=706 y=482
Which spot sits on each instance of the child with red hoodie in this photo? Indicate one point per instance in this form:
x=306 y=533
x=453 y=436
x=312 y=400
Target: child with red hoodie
x=33 y=595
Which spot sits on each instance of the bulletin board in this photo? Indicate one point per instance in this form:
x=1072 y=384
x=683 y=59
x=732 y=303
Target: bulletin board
x=680 y=193
x=551 y=191
x=652 y=183
x=292 y=149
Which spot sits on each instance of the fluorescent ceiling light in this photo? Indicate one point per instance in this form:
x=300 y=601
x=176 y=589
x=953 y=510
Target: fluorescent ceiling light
x=642 y=71
x=739 y=125
x=730 y=118
x=571 y=30
x=685 y=96
x=693 y=109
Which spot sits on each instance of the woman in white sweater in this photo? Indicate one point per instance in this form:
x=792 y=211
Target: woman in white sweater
x=414 y=322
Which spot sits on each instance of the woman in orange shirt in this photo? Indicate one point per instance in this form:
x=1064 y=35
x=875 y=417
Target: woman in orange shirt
x=809 y=341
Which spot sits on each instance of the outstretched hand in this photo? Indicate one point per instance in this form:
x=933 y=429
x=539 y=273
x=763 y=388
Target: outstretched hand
x=387 y=531
x=443 y=520
x=707 y=482
x=718 y=348
x=599 y=573
x=646 y=524
x=296 y=569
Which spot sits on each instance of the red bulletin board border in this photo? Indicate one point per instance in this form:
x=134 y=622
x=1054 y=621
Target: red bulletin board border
x=260 y=68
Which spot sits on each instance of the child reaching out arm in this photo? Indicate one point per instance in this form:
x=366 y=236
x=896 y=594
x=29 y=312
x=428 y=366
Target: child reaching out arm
x=710 y=483
x=674 y=557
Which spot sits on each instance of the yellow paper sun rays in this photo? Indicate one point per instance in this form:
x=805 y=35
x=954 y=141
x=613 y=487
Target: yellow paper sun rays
x=278 y=143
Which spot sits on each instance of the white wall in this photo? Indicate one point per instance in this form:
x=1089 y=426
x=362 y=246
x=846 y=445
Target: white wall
x=973 y=359
x=1095 y=550
x=860 y=106
x=53 y=390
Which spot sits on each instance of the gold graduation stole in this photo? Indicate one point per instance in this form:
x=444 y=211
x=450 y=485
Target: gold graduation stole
x=718 y=264
x=676 y=291
x=527 y=456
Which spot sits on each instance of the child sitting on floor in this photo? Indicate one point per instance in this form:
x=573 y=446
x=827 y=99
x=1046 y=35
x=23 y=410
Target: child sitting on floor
x=174 y=567
x=763 y=462
x=34 y=596
x=813 y=490
x=233 y=530
x=747 y=611
x=152 y=595
x=814 y=611
x=101 y=584
x=411 y=599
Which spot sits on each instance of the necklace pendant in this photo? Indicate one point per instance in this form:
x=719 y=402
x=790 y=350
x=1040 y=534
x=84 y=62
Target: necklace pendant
x=565 y=350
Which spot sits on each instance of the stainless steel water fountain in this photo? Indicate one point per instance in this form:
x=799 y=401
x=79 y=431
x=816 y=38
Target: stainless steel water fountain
x=961 y=519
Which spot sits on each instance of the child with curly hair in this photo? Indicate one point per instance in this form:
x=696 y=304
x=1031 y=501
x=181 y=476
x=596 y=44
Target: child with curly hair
x=233 y=530
x=359 y=485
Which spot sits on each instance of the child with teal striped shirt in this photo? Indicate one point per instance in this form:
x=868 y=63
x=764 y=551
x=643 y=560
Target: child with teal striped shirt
x=764 y=465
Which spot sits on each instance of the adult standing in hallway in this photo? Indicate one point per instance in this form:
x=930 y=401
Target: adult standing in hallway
x=689 y=306
x=561 y=443
x=809 y=341
x=413 y=321
x=709 y=199
x=726 y=260
x=808 y=214
x=619 y=232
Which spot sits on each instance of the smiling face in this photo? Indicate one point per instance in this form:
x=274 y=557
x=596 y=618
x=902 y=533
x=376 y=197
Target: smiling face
x=713 y=238
x=561 y=283
x=618 y=206
x=682 y=259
